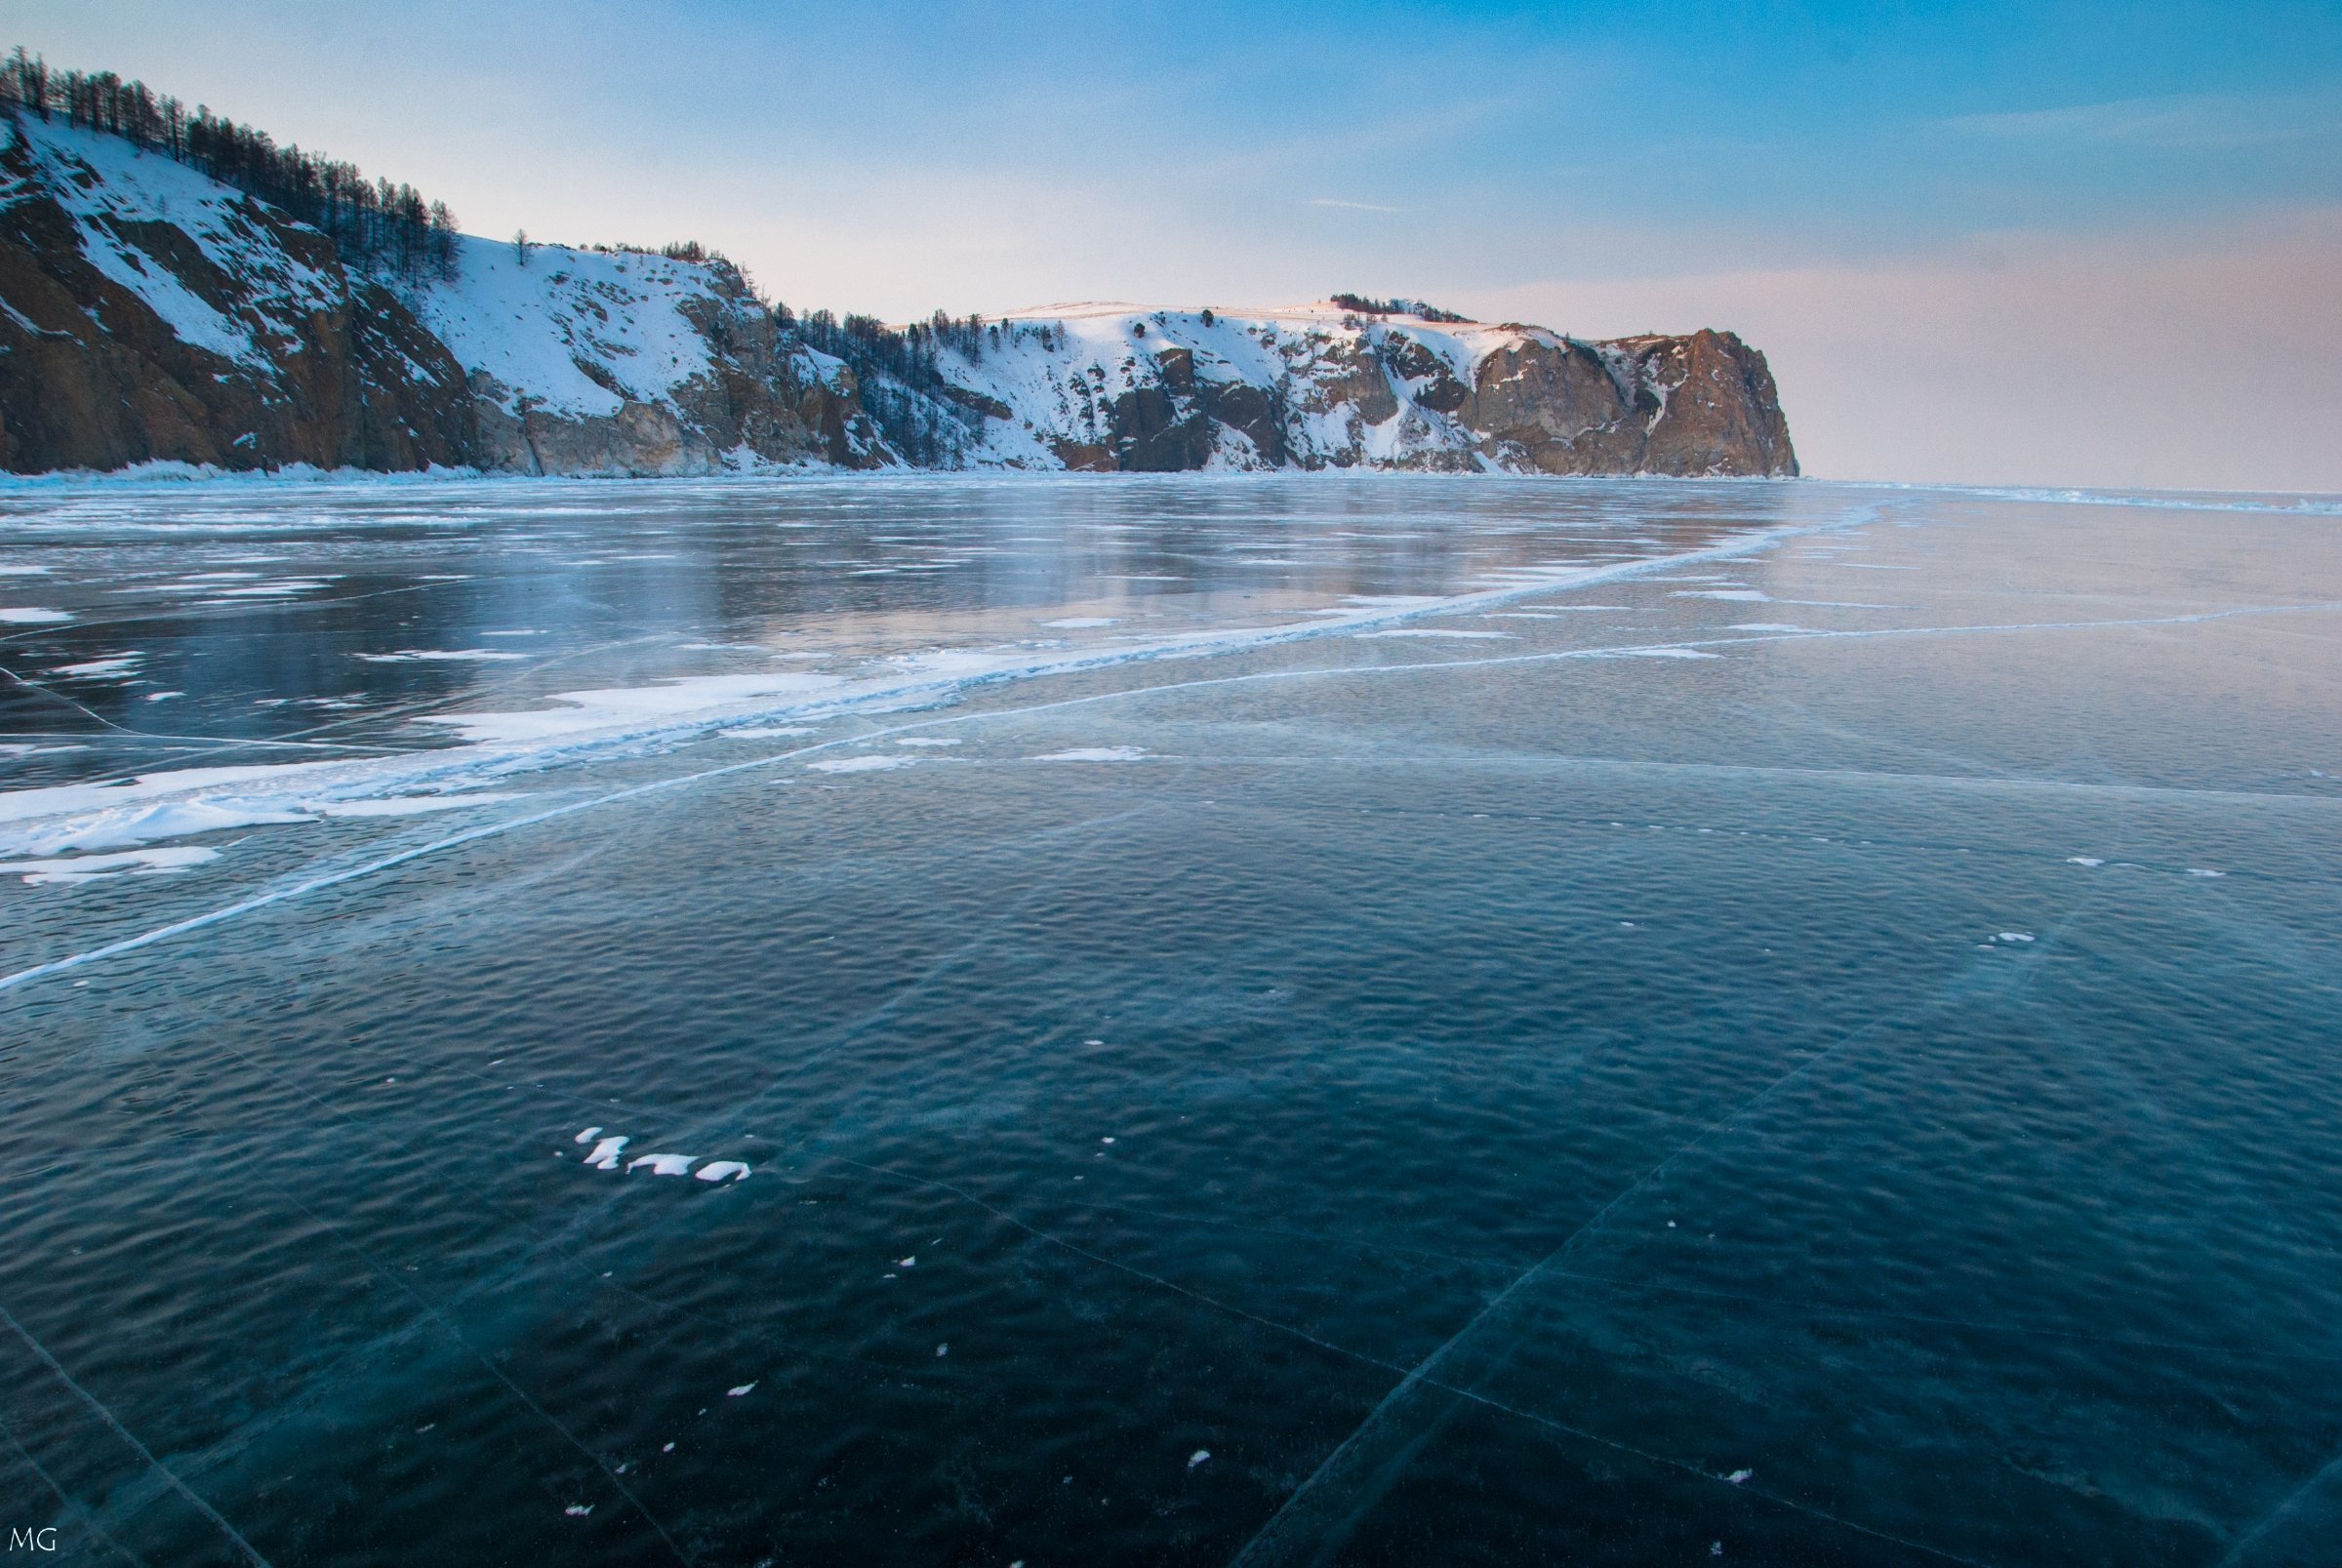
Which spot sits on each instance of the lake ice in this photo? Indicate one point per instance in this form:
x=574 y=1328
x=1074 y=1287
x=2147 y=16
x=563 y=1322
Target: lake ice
x=1395 y=987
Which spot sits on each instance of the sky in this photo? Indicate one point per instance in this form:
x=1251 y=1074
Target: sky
x=2048 y=243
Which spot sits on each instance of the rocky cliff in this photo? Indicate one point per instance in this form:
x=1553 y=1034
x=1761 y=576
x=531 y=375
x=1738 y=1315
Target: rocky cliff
x=1317 y=387
x=148 y=313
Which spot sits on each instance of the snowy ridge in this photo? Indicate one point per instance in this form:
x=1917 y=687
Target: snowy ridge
x=1117 y=386
x=576 y=332
x=120 y=200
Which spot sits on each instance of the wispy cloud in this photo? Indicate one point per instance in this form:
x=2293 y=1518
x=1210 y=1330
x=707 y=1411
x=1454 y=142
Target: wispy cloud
x=1354 y=206
x=2178 y=121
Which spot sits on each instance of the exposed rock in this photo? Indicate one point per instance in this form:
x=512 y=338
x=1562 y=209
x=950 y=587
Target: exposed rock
x=340 y=373
x=1322 y=386
x=148 y=313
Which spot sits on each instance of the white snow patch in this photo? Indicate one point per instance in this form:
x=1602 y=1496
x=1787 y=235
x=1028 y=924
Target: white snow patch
x=407 y=656
x=69 y=870
x=106 y=669
x=27 y=615
x=860 y=764
x=1096 y=753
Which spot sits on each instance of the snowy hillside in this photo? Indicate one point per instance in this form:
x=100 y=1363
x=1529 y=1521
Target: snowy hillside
x=118 y=197
x=1325 y=385
x=149 y=311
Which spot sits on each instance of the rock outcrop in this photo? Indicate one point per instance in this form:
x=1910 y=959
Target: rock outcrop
x=164 y=316
x=1324 y=387
x=148 y=312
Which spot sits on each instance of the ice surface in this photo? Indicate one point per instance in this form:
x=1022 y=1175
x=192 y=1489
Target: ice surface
x=860 y=764
x=751 y=704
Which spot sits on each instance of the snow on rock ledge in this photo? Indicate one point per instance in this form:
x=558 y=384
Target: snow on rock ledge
x=148 y=313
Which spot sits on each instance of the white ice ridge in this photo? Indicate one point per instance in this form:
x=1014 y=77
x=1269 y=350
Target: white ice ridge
x=585 y=723
x=179 y=803
x=607 y=1152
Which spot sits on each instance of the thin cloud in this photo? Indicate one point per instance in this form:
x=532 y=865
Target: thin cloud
x=1354 y=206
x=2180 y=121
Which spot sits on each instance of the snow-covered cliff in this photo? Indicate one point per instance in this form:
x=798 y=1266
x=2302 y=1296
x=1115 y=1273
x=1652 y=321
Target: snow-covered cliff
x=1321 y=385
x=148 y=311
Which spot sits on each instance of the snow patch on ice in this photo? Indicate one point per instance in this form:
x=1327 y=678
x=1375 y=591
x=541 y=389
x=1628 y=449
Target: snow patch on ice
x=860 y=764
x=1096 y=753
x=65 y=870
x=406 y=656
x=106 y=668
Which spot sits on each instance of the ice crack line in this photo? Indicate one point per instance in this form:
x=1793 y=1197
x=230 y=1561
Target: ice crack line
x=251 y=1553
x=1304 y=1530
x=1417 y=1376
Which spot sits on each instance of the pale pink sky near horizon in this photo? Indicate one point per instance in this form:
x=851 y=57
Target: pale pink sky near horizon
x=2180 y=360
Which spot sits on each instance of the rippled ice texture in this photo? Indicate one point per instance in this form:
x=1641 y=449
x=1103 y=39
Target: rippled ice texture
x=1257 y=1021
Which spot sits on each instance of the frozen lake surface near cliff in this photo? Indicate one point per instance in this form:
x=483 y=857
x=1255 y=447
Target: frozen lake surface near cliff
x=1281 y=1020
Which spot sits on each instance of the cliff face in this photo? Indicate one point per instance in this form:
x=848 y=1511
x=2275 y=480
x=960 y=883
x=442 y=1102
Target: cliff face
x=148 y=312
x=1319 y=386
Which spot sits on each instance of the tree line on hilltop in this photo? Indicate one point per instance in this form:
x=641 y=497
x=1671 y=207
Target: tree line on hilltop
x=374 y=222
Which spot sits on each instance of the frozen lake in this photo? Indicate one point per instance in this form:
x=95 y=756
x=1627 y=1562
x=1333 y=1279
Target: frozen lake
x=1276 y=1021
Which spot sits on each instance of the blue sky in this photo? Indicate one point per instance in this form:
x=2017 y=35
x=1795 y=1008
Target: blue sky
x=1856 y=188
